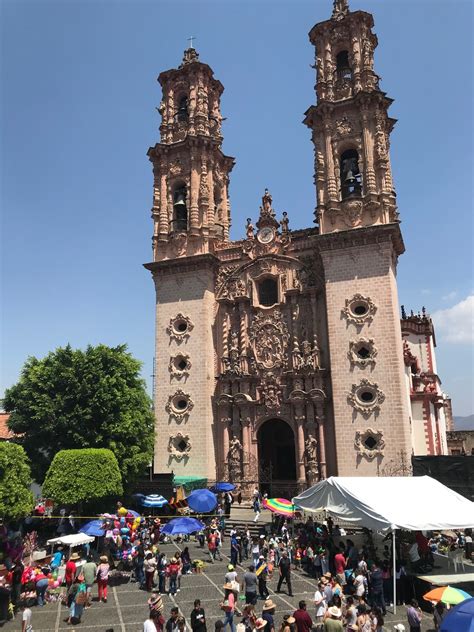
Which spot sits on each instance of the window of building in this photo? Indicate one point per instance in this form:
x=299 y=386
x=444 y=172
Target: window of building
x=180 y=211
x=183 y=109
x=351 y=179
x=268 y=292
x=343 y=67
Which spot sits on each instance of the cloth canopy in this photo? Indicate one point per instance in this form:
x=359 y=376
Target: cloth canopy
x=74 y=539
x=202 y=500
x=418 y=503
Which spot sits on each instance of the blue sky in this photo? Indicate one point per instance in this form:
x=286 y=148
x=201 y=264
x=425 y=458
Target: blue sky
x=78 y=112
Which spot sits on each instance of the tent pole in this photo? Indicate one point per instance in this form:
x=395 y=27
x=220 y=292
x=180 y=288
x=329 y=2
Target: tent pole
x=394 y=571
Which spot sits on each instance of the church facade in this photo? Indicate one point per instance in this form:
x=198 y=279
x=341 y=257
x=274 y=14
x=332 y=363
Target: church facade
x=280 y=357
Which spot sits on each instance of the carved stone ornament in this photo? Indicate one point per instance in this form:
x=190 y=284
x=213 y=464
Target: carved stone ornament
x=179 y=366
x=180 y=327
x=224 y=273
x=271 y=394
x=234 y=288
x=362 y=352
x=179 y=446
x=269 y=340
x=305 y=357
x=366 y=397
x=359 y=309
x=179 y=405
x=369 y=443
x=352 y=212
x=343 y=126
x=176 y=168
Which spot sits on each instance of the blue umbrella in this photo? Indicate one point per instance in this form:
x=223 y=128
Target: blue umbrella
x=154 y=500
x=460 y=618
x=202 y=500
x=182 y=526
x=94 y=527
x=223 y=487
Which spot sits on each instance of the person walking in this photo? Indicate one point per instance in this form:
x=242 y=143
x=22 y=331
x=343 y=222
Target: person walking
x=149 y=566
x=71 y=569
x=103 y=571
x=89 y=570
x=262 y=573
x=284 y=567
x=256 y=508
x=198 y=617
x=234 y=551
x=228 y=606
x=26 y=619
x=161 y=566
x=321 y=605
x=172 y=623
x=376 y=588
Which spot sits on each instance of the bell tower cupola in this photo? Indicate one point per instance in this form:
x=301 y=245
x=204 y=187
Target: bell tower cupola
x=191 y=208
x=350 y=125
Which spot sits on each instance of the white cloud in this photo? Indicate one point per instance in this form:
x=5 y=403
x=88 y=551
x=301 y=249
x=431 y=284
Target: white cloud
x=426 y=291
x=450 y=296
x=456 y=324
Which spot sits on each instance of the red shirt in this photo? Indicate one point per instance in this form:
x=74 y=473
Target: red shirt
x=304 y=622
x=70 y=571
x=339 y=563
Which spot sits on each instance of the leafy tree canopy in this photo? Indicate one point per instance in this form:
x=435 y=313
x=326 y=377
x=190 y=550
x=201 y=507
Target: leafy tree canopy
x=80 y=399
x=16 y=499
x=76 y=476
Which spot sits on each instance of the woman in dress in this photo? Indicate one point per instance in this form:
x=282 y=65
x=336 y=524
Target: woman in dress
x=103 y=571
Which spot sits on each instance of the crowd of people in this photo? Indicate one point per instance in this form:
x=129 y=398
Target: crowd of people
x=353 y=585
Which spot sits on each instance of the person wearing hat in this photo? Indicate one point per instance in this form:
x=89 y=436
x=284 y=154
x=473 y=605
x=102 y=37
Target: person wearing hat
x=304 y=623
x=231 y=575
x=154 y=622
x=228 y=605
x=103 y=577
x=71 y=569
x=288 y=624
x=262 y=573
x=268 y=611
x=333 y=623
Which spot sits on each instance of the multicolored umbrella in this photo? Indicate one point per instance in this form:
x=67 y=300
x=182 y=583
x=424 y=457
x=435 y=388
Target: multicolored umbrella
x=280 y=506
x=447 y=594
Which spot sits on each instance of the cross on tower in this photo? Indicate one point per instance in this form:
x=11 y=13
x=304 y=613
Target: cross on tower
x=190 y=40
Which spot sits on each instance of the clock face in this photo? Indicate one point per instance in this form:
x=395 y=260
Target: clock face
x=265 y=235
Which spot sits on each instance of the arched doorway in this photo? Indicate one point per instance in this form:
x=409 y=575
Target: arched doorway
x=276 y=454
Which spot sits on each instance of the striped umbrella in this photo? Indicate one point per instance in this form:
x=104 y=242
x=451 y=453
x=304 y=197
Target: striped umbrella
x=447 y=594
x=154 y=500
x=280 y=506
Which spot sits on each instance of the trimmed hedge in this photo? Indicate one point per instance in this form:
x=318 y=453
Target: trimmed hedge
x=16 y=499
x=77 y=476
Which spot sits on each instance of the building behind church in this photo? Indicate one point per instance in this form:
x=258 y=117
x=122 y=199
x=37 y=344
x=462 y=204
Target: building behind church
x=281 y=358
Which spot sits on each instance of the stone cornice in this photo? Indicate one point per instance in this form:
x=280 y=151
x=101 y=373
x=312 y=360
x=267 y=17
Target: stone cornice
x=362 y=236
x=197 y=140
x=183 y=264
x=329 y=25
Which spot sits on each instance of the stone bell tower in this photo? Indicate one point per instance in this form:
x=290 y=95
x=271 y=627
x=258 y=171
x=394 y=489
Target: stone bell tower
x=191 y=174
x=359 y=243
x=191 y=215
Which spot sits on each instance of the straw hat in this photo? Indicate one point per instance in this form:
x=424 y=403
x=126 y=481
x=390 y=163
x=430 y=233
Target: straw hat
x=75 y=556
x=335 y=612
x=289 y=619
x=104 y=559
x=268 y=605
x=260 y=623
x=156 y=602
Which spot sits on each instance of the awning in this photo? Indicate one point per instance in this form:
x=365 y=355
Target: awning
x=74 y=539
x=418 y=503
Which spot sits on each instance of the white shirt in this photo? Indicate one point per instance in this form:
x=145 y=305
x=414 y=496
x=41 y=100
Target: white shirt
x=321 y=605
x=26 y=616
x=359 y=585
x=149 y=626
x=413 y=553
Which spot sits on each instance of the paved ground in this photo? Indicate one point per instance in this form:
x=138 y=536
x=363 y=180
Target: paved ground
x=126 y=608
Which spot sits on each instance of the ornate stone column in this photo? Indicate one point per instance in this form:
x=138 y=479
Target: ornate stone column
x=194 y=192
x=299 y=420
x=321 y=440
x=163 y=218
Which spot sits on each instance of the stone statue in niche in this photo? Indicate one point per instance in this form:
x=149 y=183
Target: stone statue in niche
x=234 y=459
x=311 y=459
x=271 y=394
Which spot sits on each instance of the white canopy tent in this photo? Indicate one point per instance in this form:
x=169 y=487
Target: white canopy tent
x=418 y=503
x=72 y=540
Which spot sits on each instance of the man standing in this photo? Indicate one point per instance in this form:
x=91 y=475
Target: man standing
x=249 y=586
x=285 y=573
x=376 y=588
x=414 y=616
x=321 y=605
x=212 y=545
x=304 y=622
x=340 y=565
x=172 y=623
x=89 y=570
x=234 y=551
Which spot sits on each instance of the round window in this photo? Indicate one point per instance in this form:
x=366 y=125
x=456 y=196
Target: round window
x=363 y=353
x=180 y=404
x=181 y=326
x=359 y=308
x=366 y=396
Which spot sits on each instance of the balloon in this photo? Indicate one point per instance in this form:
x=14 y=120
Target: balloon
x=124 y=530
x=122 y=511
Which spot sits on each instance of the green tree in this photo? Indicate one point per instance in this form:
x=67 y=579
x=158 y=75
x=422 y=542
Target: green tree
x=16 y=499
x=79 y=476
x=81 y=399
